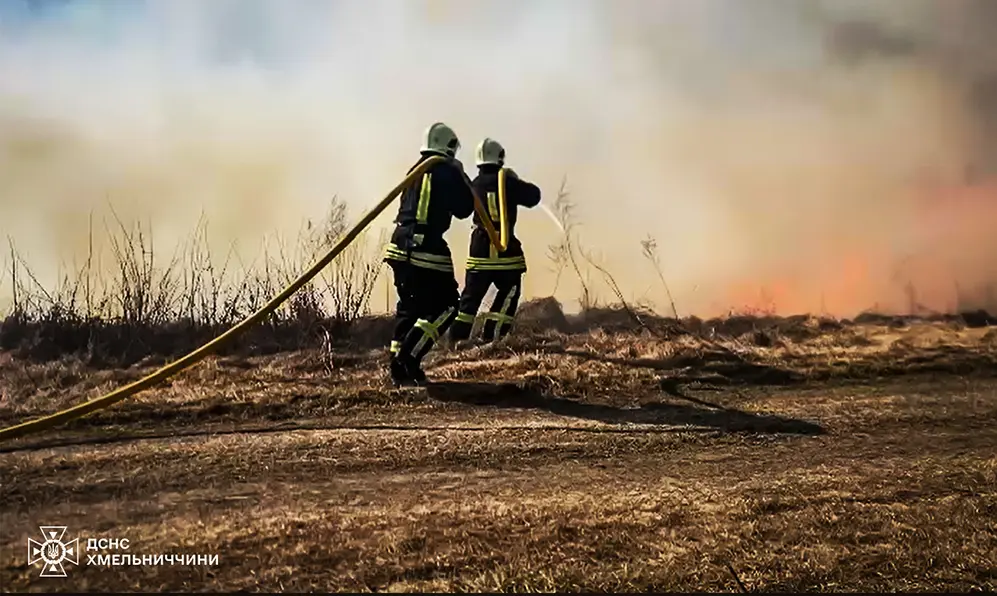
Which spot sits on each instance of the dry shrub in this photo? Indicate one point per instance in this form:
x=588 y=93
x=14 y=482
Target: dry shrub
x=148 y=304
x=566 y=251
x=145 y=304
x=540 y=314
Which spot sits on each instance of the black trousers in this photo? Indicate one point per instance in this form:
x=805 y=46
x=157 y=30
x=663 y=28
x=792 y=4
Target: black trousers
x=498 y=321
x=427 y=306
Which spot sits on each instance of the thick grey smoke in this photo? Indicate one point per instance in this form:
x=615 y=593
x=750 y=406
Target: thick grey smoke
x=773 y=148
x=954 y=39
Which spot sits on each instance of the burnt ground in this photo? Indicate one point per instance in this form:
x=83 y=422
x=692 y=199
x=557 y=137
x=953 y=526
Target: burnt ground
x=858 y=457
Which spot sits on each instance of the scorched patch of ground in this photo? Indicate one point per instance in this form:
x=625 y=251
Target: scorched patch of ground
x=855 y=458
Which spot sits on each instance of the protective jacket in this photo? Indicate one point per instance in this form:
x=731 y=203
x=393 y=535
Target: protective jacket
x=425 y=215
x=482 y=255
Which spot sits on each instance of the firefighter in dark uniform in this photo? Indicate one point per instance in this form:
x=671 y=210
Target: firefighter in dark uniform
x=485 y=265
x=420 y=257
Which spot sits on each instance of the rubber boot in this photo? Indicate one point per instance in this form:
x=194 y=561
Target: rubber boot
x=416 y=375
x=399 y=371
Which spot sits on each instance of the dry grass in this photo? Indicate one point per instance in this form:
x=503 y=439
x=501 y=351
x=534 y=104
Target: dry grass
x=613 y=450
x=138 y=304
x=792 y=456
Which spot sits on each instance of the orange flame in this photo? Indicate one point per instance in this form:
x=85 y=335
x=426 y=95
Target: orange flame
x=949 y=264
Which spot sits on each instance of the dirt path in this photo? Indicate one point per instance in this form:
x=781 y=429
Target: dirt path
x=472 y=487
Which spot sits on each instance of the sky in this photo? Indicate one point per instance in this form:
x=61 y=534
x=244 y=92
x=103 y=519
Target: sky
x=796 y=155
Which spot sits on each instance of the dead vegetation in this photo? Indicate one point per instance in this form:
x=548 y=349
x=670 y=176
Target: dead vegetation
x=144 y=305
x=844 y=457
x=610 y=450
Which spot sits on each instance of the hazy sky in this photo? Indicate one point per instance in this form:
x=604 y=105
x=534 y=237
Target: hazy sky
x=777 y=145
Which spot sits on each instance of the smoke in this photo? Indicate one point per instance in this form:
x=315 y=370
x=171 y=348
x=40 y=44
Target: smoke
x=811 y=155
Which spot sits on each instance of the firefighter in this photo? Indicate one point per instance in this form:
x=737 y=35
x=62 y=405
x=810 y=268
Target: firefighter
x=420 y=257
x=485 y=265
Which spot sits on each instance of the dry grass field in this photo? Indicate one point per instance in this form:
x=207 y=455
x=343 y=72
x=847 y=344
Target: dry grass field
x=585 y=453
x=699 y=423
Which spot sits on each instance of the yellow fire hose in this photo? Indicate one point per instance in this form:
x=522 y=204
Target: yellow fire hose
x=80 y=410
x=499 y=242
x=503 y=220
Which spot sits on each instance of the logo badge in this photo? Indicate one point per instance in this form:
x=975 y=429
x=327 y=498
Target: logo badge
x=52 y=551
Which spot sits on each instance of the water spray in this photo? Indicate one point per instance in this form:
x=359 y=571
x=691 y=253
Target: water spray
x=553 y=217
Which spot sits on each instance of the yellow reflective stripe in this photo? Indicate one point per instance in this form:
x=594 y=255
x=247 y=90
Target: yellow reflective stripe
x=497 y=265
x=422 y=211
x=420 y=256
x=423 y=264
x=481 y=269
x=501 y=317
x=443 y=317
x=508 y=302
x=433 y=266
x=395 y=346
x=430 y=330
x=425 y=256
x=493 y=211
x=393 y=251
x=464 y=317
x=507 y=258
x=495 y=260
x=420 y=259
x=497 y=316
x=521 y=267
